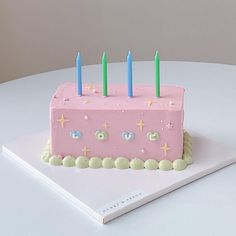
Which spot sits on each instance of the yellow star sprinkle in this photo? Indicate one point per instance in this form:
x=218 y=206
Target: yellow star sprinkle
x=85 y=102
x=140 y=124
x=165 y=148
x=85 y=151
x=62 y=120
x=106 y=125
x=90 y=87
x=149 y=102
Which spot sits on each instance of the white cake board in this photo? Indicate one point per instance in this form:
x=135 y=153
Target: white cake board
x=106 y=194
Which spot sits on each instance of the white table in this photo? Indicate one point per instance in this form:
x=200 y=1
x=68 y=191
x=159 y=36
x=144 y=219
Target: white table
x=205 y=207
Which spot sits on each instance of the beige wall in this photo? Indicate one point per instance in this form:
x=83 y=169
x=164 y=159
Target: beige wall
x=43 y=35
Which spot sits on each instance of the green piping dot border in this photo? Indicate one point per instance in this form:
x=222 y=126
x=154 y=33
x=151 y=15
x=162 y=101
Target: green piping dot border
x=122 y=162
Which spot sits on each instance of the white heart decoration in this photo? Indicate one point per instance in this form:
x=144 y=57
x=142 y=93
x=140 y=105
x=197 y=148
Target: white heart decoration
x=128 y=135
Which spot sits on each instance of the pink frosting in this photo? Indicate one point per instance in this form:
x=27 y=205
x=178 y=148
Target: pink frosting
x=66 y=97
x=116 y=114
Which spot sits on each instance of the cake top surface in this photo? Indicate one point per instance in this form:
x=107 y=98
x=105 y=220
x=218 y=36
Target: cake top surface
x=144 y=98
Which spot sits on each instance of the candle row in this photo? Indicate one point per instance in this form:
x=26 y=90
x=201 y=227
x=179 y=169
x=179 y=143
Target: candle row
x=129 y=74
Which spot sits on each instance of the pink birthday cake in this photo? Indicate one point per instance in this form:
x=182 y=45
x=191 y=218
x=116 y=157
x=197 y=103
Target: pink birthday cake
x=117 y=131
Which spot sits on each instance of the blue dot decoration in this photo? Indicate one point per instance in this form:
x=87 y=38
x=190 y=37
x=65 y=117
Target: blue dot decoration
x=76 y=134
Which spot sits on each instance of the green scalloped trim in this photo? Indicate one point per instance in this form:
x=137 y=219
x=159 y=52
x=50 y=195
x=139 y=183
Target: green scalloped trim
x=122 y=162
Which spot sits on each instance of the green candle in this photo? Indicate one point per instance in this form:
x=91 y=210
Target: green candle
x=157 y=74
x=104 y=73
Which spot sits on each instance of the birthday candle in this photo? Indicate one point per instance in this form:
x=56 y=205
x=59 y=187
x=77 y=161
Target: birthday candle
x=130 y=82
x=79 y=74
x=104 y=73
x=157 y=73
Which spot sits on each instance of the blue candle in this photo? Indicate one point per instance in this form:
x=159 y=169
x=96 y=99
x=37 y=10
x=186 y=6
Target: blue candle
x=79 y=74
x=130 y=82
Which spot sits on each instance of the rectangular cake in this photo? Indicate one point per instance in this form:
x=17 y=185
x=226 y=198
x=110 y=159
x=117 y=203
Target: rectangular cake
x=143 y=126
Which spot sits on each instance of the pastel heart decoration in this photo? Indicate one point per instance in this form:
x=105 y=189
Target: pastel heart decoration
x=76 y=134
x=128 y=135
x=101 y=135
x=153 y=136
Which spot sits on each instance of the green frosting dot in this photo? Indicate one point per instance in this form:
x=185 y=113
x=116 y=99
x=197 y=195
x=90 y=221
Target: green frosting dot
x=82 y=162
x=186 y=134
x=179 y=164
x=95 y=162
x=165 y=165
x=55 y=161
x=188 y=151
x=122 y=163
x=136 y=164
x=187 y=158
x=45 y=156
x=151 y=164
x=108 y=163
x=68 y=161
x=187 y=144
x=187 y=137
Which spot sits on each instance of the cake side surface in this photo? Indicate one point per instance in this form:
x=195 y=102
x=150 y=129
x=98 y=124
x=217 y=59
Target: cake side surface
x=117 y=126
